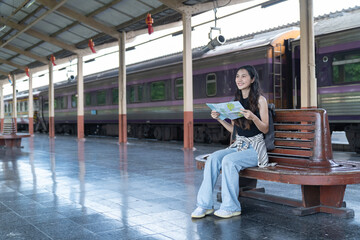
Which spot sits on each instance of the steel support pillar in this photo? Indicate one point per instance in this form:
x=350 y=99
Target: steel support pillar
x=122 y=90
x=51 y=102
x=14 y=106
x=307 y=55
x=80 y=98
x=188 y=83
x=31 y=106
x=2 y=111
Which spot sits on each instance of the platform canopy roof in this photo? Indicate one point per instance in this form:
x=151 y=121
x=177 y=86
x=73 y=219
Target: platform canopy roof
x=33 y=30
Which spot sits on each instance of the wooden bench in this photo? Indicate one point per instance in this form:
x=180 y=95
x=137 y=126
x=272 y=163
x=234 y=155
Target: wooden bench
x=9 y=138
x=303 y=154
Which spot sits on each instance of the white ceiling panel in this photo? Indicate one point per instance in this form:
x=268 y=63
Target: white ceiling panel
x=51 y=47
x=5 y=53
x=112 y=17
x=28 y=38
x=83 y=31
x=46 y=27
x=21 y=44
x=58 y=20
x=152 y=3
x=20 y=61
x=133 y=8
x=70 y=38
x=7 y=68
x=4 y=50
x=79 y=6
x=41 y=51
x=25 y=58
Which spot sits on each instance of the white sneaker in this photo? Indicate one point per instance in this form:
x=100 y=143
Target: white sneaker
x=200 y=212
x=226 y=214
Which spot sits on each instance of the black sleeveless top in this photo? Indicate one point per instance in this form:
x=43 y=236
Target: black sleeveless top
x=253 y=129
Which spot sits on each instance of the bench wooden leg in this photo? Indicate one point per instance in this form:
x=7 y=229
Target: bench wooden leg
x=327 y=199
x=315 y=199
x=323 y=195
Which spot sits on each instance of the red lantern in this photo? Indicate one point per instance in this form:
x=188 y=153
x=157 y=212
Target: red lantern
x=149 y=21
x=91 y=45
x=27 y=71
x=52 y=58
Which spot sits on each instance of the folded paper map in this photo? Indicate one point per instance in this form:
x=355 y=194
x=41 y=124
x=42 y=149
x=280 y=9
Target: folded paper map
x=229 y=110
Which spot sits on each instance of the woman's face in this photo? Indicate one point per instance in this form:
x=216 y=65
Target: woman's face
x=243 y=80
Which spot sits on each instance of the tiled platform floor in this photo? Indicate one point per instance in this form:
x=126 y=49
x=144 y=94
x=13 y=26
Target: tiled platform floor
x=97 y=189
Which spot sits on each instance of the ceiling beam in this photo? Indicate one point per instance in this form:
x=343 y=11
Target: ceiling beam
x=27 y=27
x=199 y=8
x=83 y=19
x=12 y=64
x=174 y=4
x=204 y=7
x=27 y=53
x=4 y=73
x=39 y=35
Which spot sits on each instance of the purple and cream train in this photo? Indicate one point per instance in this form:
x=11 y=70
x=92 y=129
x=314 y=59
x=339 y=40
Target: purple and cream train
x=155 y=87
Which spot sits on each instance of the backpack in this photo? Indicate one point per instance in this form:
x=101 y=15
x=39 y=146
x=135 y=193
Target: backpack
x=269 y=137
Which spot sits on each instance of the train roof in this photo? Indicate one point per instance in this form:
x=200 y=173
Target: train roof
x=337 y=21
x=21 y=95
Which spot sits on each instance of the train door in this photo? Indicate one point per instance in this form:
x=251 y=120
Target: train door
x=295 y=61
x=277 y=75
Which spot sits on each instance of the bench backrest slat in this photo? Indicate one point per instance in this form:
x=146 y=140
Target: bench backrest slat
x=293 y=143
x=283 y=126
x=293 y=135
x=293 y=151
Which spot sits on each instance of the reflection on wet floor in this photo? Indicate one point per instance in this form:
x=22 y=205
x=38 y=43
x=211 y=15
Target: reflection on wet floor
x=98 y=189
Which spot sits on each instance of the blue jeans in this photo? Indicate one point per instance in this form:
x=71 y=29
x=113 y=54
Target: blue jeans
x=230 y=161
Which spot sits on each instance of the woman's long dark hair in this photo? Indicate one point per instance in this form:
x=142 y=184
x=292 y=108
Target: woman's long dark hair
x=254 y=94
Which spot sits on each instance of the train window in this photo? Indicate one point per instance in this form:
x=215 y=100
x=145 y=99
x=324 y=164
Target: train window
x=346 y=67
x=115 y=95
x=132 y=94
x=60 y=103
x=25 y=106
x=140 y=93
x=101 y=97
x=179 y=89
x=136 y=93
x=211 y=84
x=17 y=106
x=87 y=99
x=157 y=91
x=64 y=102
x=73 y=101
